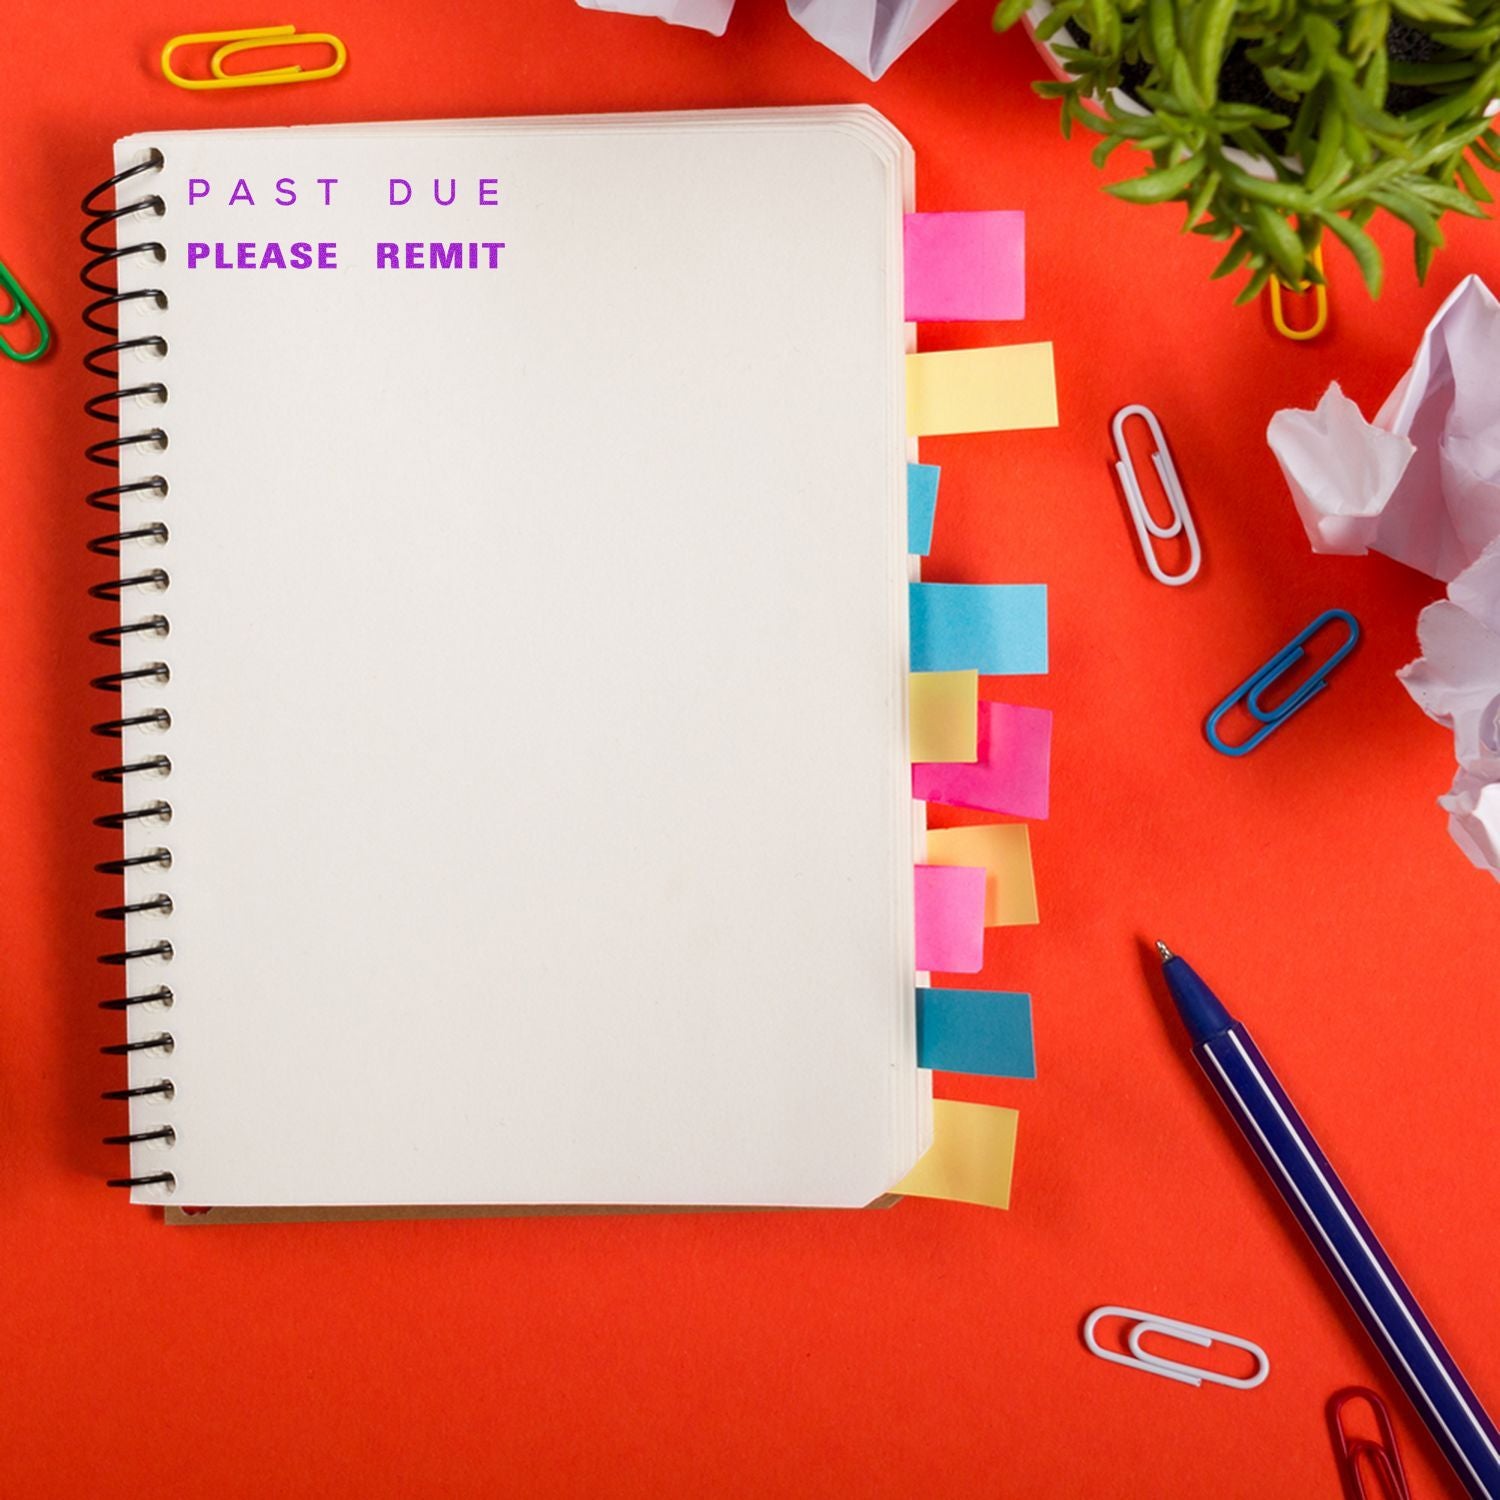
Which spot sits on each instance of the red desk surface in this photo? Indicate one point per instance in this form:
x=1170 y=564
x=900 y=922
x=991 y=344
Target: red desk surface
x=933 y=1349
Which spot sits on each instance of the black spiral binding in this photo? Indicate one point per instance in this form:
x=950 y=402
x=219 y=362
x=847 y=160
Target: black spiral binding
x=104 y=361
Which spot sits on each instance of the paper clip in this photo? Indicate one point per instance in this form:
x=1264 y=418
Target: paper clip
x=245 y=40
x=1146 y=528
x=1382 y=1456
x=1319 y=290
x=1253 y=688
x=1188 y=1333
x=21 y=305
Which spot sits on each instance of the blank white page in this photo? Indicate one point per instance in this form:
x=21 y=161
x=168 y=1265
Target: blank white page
x=541 y=826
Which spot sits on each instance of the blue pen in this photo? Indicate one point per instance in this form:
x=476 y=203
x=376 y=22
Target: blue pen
x=1349 y=1249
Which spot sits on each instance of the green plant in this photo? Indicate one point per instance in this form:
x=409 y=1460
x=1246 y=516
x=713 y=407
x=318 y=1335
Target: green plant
x=1353 y=106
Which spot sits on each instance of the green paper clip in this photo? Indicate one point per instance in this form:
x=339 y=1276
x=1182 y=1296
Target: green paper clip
x=22 y=304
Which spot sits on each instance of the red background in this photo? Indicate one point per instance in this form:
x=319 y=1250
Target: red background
x=933 y=1348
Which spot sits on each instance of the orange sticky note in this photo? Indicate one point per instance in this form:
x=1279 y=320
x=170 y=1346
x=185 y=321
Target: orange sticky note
x=1004 y=849
x=972 y=1158
x=944 y=716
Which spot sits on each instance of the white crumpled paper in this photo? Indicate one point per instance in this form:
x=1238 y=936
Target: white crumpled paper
x=703 y=15
x=869 y=34
x=1422 y=484
x=1456 y=681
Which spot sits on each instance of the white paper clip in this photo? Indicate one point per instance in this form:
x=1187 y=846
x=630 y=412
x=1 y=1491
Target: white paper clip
x=1146 y=528
x=1189 y=1333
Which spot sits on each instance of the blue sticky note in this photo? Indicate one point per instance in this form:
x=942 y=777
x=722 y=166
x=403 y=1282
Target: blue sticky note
x=975 y=1031
x=996 y=628
x=921 y=506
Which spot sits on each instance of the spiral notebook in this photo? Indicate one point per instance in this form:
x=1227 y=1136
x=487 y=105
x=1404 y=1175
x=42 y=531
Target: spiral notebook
x=513 y=660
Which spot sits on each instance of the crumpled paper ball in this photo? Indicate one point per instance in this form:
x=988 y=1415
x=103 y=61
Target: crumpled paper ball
x=1421 y=483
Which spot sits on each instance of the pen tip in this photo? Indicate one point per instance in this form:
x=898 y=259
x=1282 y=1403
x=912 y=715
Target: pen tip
x=1162 y=948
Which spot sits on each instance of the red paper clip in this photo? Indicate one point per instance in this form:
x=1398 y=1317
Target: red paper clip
x=1355 y=1455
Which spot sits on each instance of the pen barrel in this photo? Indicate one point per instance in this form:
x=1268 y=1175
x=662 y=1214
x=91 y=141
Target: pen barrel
x=1355 y=1258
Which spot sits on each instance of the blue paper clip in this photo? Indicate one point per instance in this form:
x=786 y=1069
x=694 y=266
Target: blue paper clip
x=1252 y=690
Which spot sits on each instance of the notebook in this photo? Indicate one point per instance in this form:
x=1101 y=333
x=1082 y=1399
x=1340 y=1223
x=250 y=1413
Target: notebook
x=513 y=663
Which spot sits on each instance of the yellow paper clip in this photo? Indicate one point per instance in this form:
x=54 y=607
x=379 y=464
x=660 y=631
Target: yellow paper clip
x=246 y=40
x=20 y=306
x=1319 y=291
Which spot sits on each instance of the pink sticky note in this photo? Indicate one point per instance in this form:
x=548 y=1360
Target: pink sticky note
x=965 y=267
x=1011 y=772
x=950 y=918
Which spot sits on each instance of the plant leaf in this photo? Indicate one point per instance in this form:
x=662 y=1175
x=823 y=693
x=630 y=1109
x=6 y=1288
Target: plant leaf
x=1485 y=150
x=1160 y=185
x=1410 y=210
x=1252 y=115
x=1431 y=12
x=1253 y=288
x=1282 y=195
x=1203 y=195
x=1422 y=253
x=1104 y=26
x=1330 y=163
x=1211 y=32
x=1356 y=143
x=1470 y=39
x=1161 y=28
x=1365 y=251
x=1289 y=84
x=1234 y=258
x=1049 y=26
x=1423 y=73
x=1473 y=182
x=1441 y=196
x=1180 y=76
x=1102 y=152
x=1281 y=242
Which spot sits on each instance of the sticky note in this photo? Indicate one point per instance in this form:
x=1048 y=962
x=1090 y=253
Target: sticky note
x=950 y=919
x=1010 y=772
x=944 y=716
x=921 y=506
x=965 y=266
x=987 y=1032
x=991 y=627
x=1004 y=850
x=972 y=1157
x=997 y=389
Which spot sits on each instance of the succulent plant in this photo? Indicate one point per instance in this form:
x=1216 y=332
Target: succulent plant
x=1352 y=107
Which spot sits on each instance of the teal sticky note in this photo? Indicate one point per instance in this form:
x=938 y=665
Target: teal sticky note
x=995 y=628
x=921 y=506
x=975 y=1031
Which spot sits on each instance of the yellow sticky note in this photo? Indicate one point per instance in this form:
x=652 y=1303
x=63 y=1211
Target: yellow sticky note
x=980 y=390
x=944 y=716
x=972 y=1157
x=1004 y=849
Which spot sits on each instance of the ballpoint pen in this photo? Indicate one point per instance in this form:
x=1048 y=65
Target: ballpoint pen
x=1244 y=1081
